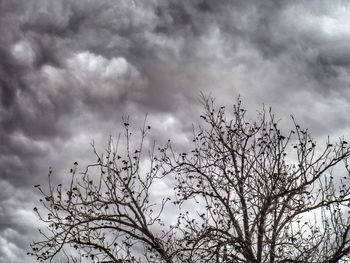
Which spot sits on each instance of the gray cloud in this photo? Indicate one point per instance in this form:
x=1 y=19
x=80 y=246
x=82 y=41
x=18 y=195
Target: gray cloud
x=69 y=70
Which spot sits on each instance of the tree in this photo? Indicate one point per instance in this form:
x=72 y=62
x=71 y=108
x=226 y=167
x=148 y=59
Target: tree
x=256 y=193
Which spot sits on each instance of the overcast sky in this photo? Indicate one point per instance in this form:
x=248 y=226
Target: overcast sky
x=70 y=69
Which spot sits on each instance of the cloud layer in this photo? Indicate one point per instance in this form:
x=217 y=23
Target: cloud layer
x=69 y=71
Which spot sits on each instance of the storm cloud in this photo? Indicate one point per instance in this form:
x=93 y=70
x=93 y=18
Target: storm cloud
x=69 y=71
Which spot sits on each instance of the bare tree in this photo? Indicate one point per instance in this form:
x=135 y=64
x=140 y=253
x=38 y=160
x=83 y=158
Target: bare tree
x=108 y=217
x=255 y=193
x=267 y=197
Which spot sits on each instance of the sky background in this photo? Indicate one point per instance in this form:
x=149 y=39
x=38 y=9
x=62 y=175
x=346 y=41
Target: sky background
x=70 y=69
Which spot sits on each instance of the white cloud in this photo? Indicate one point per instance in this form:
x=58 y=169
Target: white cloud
x=330 y=19
x=23 y=52
x=103 y=77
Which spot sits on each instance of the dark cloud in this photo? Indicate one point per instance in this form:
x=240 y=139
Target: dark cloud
x=9 y=71
x=69 y=70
